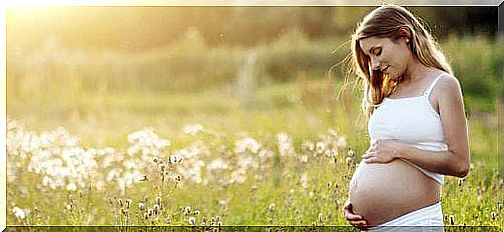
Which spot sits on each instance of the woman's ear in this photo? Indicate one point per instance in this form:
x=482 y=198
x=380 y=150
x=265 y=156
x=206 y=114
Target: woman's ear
x=405 y=33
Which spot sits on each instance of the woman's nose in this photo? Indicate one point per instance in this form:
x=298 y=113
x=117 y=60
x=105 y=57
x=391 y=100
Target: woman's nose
x=375 y=64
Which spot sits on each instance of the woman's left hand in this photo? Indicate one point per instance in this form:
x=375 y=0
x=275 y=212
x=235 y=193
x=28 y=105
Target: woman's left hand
x=383 y=151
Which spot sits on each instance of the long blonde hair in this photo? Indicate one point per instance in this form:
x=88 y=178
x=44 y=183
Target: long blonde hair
x=386 y=22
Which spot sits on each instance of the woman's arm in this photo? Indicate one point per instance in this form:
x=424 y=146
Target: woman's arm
x=446 y=163
x=455 y=161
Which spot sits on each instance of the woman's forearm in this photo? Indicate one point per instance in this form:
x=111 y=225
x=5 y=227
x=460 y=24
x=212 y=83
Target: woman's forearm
x=445 y=162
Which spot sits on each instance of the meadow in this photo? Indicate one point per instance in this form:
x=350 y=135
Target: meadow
x=221 y=136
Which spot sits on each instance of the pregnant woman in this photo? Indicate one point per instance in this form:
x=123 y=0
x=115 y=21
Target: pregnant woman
x=416 y=122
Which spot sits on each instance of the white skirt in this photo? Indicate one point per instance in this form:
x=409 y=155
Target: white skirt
x=427 y=219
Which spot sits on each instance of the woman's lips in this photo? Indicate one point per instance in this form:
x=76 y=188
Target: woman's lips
x=385 y=69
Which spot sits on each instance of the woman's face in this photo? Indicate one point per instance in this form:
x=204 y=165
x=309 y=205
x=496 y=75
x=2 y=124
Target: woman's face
x=392 y=58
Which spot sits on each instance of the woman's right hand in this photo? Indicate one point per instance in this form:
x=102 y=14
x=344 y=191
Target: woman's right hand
x=354 y=219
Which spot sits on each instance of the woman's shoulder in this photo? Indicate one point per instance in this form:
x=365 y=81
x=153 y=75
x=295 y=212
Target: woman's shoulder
x=447 y=86
x=447 y=81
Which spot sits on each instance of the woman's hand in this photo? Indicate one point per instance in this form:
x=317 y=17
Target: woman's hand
x=383 y=151
x=354 y=219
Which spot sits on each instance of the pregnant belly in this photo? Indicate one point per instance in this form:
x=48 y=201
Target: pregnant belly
x=382 y=192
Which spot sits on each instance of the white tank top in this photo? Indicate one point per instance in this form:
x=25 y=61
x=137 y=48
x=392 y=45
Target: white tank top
x=411 y=120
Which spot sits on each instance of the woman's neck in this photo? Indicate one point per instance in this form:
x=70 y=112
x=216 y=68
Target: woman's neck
x=418 y=71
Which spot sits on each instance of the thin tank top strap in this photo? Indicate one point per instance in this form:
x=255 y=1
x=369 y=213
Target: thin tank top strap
x=431 y=86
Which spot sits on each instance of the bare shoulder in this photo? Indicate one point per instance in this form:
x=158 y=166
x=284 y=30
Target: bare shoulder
x=446 y=92
x=448 y=86
x=447 y=95
x=447 y=82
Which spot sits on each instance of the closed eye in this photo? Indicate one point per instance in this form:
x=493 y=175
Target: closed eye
x=378 y=52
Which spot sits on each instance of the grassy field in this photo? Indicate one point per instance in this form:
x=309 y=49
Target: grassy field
x=250 y=151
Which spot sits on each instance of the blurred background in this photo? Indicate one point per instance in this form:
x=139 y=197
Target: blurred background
x=104 y=71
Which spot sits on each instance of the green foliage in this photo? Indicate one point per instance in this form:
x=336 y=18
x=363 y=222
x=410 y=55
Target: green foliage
x=475 y=63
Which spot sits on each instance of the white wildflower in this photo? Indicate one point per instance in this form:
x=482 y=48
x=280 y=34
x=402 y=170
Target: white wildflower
x=320 y=147
x=304 y=180
x=303 y=159
x=264 y=154
x=272 y=207
x=308 y=145
x=218 y=164
x=341 y=142
x=71 y=187
x=285 y=146
x=192 y=221
x=247 y=144
x=18 y=212
x=193 y=129
x=141 y=206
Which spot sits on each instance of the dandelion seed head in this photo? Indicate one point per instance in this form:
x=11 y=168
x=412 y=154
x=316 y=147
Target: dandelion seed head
x=193 y=129
x=19 y=213
x=341 y=142
x=192 y=221
x=349 y=161
x=141 y=206
x=71 y=187
x=222 y=203
x=308 y=145
x=271 y=207
x=320 y=147
x=218 y=164
x=304 y=181
x=247 y=144
x=303 y=159
x=285 y=146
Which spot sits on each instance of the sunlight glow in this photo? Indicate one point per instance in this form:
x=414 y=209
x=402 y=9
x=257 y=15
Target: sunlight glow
x=29 y=3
